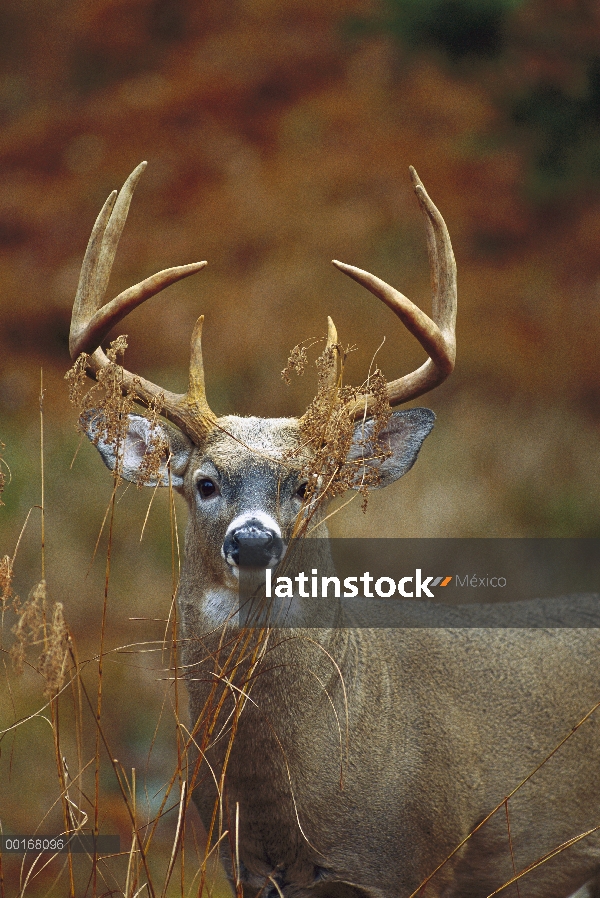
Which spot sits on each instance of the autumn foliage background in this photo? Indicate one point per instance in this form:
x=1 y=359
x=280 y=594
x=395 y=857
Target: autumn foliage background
x=278 y=136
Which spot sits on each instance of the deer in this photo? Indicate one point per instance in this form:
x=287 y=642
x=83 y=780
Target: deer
x=346 y=761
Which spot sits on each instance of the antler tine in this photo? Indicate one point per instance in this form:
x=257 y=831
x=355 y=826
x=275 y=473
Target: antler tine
x=91 y=321
x=442 y=265
x=90 y=324
x=114 y=229
x=86 y=299
x=114 y=311
x=195 y=397
x=332 y=340
x=99 y=257
x=437 y=336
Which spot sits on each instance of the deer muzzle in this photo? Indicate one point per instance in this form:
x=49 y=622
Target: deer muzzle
x=254 y=542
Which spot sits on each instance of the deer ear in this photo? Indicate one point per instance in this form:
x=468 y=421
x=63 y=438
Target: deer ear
x=403 y=437
x=142 y=439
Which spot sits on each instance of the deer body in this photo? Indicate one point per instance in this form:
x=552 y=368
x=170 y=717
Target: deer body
x=441 y=729
x=345 y=761
x=442 y=724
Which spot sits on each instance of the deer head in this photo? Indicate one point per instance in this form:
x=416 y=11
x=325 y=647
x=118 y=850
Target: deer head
x=243 y=477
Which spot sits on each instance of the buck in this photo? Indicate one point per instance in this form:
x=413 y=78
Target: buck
x=347 y=761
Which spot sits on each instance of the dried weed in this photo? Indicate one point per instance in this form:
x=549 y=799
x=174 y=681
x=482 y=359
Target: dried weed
x=2 y=474
x=156 y=450
x=6 y=575
x=52 y=661
x=80 y=393
x=29 y=629
x=112 y=405
x=33 y=630
x=328 y=431
x=297 y=362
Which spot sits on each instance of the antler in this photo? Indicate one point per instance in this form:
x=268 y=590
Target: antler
x=91 y=321
x=437 y=337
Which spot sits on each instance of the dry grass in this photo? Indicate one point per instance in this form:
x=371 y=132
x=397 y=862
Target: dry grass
x=76 y=705
x=2 y=472
x=327 y=431
x=41 y=624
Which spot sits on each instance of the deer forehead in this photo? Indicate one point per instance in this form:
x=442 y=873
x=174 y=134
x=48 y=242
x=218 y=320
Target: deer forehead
x=237 y=442
x=250 y=456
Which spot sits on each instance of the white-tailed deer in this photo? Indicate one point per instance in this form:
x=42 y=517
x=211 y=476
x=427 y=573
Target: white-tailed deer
x=348 y=761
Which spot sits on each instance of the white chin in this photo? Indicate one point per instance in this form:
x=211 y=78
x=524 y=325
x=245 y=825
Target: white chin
x=234 y=570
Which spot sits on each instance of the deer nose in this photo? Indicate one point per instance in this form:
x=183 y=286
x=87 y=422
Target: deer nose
x=252 y=544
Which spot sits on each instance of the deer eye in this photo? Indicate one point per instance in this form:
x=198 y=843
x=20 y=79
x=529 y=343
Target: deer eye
x=301 y=491
x=206 y=487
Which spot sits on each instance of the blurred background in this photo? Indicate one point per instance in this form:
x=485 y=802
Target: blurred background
x=278 y=136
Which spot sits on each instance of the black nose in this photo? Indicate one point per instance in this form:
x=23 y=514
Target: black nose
x=252 y=545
